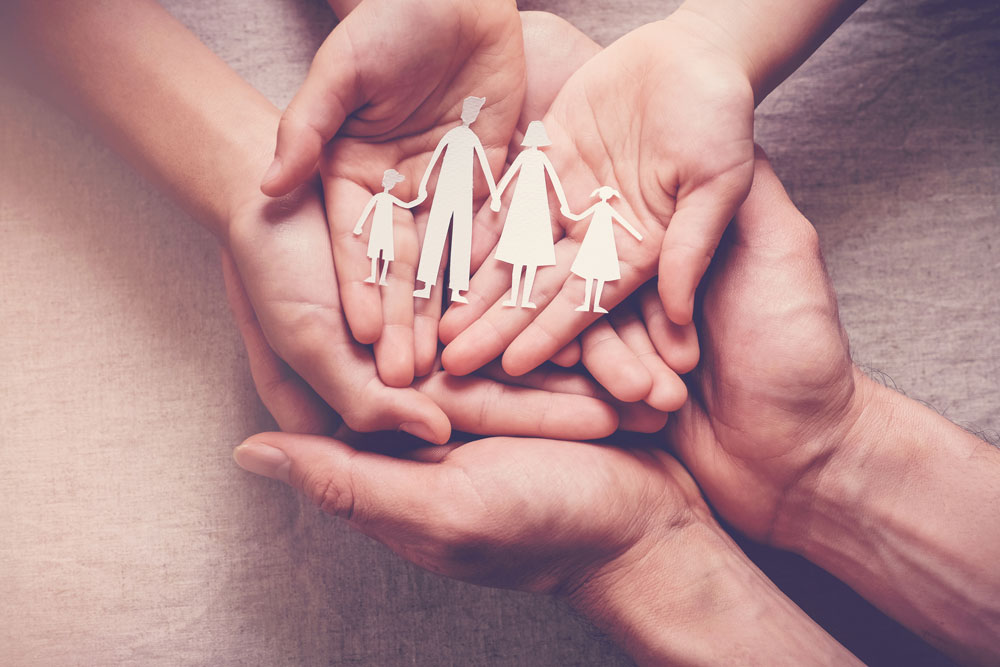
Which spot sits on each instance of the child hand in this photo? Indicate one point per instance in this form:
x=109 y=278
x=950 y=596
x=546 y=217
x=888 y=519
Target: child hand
x=385 y=86
x=666 y=119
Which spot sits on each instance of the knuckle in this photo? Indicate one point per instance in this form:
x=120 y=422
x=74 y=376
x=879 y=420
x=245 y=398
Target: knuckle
x=330 y=496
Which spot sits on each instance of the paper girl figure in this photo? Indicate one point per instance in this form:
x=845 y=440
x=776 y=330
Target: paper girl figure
x=452 y=204
x=526 y=241
x=597 y=260
x=380 y=239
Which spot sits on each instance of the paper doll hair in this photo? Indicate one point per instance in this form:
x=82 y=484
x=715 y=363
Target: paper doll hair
x=605 y=192
x=536 y=135
x=470 y=109
x=391 y=178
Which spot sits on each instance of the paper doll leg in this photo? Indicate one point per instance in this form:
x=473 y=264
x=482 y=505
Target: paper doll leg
x=461 y=252
x=597 y=297
x=371 y=279
x=430 y=254
x=385 y=270
x=529 y=281
x=515 y=284
x=586 y=296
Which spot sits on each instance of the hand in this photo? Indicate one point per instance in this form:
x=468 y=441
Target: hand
x=389 y=97
x=684 y=157
x=495 y=204
x=357 y=231
x=283 y=291
x=534 y=515
x=776 y=392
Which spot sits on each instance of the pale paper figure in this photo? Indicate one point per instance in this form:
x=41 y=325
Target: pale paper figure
x=597 y=260
x=380 y=238
x=526 y=241
x=452 y=204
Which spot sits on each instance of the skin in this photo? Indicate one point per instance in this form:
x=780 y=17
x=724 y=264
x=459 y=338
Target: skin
x=389 y=108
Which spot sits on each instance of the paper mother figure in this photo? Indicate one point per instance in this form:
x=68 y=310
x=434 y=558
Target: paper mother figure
x=526 y=241
x=597 y=259
x=452 y=204
x=380 y=238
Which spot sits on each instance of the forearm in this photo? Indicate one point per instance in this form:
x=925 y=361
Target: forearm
x=155 y=93
x=770 y=38
x=909 y=516
x=698 y=600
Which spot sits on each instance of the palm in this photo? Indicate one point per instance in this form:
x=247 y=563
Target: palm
x=537 y=515
x=415 y=94
x=670 y=133
x=775 y=374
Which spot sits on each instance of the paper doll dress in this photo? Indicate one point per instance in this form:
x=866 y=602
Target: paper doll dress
x=598 y=255
x=527 y=233
x=380 y=237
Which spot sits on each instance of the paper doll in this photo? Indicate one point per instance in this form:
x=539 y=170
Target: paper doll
x=452 y=205
x=380 y=239
x=526 y=241
x=597 y=260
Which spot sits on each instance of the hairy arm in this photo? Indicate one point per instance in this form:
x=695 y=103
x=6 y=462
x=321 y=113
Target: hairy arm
x=907 y=514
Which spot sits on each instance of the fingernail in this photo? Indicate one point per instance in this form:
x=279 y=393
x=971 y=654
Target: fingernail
x=418 y=430
x=272 y=171
x=262 y=459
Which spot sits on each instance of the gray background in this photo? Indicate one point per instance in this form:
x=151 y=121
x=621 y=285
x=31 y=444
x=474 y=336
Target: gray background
x=128 y=536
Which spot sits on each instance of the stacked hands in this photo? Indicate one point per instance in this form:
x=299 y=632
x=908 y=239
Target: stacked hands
x=770 y=423
x=652 y=139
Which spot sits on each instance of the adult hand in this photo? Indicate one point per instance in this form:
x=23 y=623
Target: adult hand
x=283 y=290
x=666 y=118
x=385 y=86
x=775 y=393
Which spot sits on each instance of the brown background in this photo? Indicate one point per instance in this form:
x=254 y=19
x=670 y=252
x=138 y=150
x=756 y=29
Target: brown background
x=128 y=536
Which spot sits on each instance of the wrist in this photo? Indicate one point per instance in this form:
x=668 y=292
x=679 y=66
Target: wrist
x=694 y=598
x=905 y=513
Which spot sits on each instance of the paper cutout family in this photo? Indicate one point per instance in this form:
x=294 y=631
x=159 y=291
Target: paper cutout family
x=526 y=241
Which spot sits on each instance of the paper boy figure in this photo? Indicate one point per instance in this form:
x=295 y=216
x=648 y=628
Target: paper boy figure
x=526 y=241
x=380 y=239
x=452 y=204
x=597 y=259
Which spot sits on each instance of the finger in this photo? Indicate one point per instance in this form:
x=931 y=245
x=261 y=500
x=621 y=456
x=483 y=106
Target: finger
x=667 y=391
x=480 y=405
x=427 y=316
x=568 y=356
x=362 y=301
x=692 y=236
x=292 y=403
x=637 y=417
x=374 y=492
x=395 y=348
x=330 y=92
x=677 y=345
x=284 y=257
x=614 y=364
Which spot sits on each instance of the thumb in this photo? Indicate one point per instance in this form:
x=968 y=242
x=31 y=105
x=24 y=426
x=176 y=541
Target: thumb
x=329 y=94
x=376 y=493
x=692 y=236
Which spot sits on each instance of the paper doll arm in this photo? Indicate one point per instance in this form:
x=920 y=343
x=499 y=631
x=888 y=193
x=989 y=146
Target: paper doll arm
x=505 y=181
x=578 y=216
x=364 y=215
x=557 y=186
x=485 y=164
x=405 y=204
x=625 y=223
x=422 y=190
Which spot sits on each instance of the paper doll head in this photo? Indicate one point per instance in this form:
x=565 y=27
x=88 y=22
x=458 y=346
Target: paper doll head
x=536 y=135
x=605 y=192
x=470 y=109
x=391 y=178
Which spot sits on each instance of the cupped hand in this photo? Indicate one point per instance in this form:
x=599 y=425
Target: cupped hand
x=666 y=119
x=775 y=393
x=389 y=82
x=534 y=515
x=308 y=368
